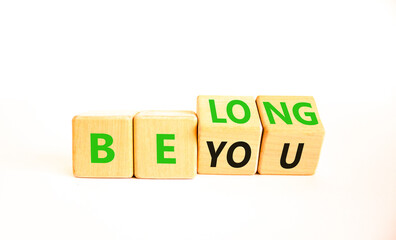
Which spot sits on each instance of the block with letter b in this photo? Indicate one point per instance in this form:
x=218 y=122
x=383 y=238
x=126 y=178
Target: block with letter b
x=293 y=135
x=165 y=144
x=229 y=133
x=102 y=145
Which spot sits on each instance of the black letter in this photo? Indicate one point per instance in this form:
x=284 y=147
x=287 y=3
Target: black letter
x=283 y=162
x=214 y=153
x=230 y=153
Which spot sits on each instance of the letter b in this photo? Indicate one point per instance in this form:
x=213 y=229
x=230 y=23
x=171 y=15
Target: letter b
x=95 y=148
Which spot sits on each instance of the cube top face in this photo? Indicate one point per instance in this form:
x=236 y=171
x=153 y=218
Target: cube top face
x=293 y=135
x=107 y=114
x=165 y=144
x=289 y=114
x=228 y=112
x=167 y=114
x=102 y=145
x=229 y=133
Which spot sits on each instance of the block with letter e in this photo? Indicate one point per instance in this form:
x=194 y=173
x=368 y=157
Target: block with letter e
x=293 y=135
x=165 y=144
x=102 y=145
x=229 y=133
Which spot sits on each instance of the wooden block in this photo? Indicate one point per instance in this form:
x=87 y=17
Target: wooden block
x=293 y=135
x=102 y=145
x=229 y=134
x=165 y=144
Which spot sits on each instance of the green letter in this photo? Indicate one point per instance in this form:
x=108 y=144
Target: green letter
x=297 y=115
x=269 y=108
x=245 y=107
x=214 y=114
x=95 y=148
x=161 y=149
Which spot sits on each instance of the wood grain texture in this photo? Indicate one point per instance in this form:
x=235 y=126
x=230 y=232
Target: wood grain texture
x=230 y=132
x=116 y=124
x=181 y=124
x=279 y=132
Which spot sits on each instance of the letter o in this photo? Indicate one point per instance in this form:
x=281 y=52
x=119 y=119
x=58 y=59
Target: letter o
x=230 y=153
x=245 y=107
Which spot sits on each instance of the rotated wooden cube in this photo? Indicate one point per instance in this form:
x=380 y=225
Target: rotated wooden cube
x=102 y=145
x=165 y=144
x=229 y=134
x=293 y=135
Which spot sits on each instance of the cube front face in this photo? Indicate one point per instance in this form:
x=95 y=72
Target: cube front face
x=293 y=135
x=102 y=146
x=229 y=134
x=165 y=144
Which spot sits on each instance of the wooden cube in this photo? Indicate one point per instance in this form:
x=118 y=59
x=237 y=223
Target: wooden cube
x=293 y=135
x=165 y=144
x=102 y=145
x=229 y=134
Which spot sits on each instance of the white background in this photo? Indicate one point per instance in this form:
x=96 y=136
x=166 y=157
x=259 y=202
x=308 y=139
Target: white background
x=61 y=58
